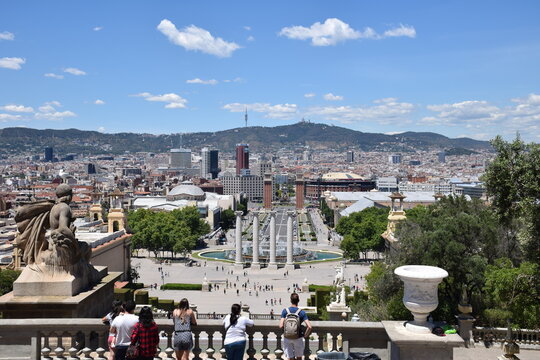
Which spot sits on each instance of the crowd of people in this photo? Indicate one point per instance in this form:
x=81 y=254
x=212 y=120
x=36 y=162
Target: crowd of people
x=137 y=337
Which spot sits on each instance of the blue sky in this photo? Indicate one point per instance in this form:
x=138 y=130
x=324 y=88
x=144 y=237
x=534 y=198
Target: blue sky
x=459 y=68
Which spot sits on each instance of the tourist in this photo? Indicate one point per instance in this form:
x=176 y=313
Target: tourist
x=293 y=344
x=116 y=310
x=145 y=335
x=183 y=318
x=122 y=327
x=235 y=333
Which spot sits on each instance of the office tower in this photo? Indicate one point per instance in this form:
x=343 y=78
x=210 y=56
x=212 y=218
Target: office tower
x=49 y=154
x=442 y=157
x=209 y=163
x=262 y=167
x=394 y=159
x=350 y=156
x=180 y=158
x=90 y=168
x=242 y=158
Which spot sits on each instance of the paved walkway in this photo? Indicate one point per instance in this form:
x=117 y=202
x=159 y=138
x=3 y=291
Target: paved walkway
x=254 y=292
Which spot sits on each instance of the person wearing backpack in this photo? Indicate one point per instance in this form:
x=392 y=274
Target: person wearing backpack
x=293 y=319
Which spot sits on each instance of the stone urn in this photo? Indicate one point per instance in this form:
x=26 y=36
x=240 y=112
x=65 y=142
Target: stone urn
x=420 y=295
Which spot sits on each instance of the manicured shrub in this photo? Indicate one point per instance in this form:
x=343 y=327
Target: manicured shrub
x=177 y=286
x=141 y=297
x=123 y=294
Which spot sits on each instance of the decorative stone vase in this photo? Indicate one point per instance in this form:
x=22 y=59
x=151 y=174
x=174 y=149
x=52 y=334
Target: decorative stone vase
x=420 y=295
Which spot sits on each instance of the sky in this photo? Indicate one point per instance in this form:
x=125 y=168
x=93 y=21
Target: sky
x=458 y=68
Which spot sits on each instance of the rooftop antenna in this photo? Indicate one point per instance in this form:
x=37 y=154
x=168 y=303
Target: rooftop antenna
x=246 y=116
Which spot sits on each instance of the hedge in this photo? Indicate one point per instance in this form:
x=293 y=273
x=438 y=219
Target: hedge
x=176 y=286
x=167 y=305
x=153 y=300
x=134 y=286
x=123 y=294
x=313 y=287
x=141 y=297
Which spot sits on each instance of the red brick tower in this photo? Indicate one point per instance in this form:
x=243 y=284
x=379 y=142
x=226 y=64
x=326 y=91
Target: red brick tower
x=299 y=191
x=268 y=191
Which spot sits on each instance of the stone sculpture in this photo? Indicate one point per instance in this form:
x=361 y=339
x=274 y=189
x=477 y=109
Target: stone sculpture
x=49 y=247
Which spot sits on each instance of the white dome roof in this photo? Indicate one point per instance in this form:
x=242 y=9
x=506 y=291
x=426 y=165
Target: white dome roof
x=191 y=190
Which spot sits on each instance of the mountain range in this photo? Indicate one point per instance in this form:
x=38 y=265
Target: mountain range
x=19 y=140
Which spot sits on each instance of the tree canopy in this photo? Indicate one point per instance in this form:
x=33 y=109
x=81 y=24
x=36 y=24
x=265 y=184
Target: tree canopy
x=362 y=231
x=176 y=231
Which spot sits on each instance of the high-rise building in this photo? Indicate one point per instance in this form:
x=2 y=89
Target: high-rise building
x=350 y=156
x=209 y=163
x=90 y=168
x=49 y=154
x=394 y=159
x=442 y=157
x=242 y=158
x=251 y=185
x=262 y=167
x=180 y=158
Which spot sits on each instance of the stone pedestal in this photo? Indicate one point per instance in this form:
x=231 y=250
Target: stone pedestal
x=95 y=302
x=406 y=345
x=336 y=311
x=466 y=323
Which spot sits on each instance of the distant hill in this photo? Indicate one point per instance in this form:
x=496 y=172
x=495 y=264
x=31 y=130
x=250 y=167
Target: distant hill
x=316 y=136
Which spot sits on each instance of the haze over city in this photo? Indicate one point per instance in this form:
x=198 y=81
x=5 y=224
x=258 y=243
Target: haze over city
x=458 y=69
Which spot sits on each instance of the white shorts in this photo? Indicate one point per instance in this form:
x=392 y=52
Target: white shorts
x=293 y=348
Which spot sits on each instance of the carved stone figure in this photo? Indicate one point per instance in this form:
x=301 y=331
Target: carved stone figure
x=48 y=244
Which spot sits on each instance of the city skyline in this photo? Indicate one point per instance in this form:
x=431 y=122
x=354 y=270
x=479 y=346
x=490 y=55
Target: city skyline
x=188 y=67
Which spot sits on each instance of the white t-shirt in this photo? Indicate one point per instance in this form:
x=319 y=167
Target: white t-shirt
x=124 y=325
x=237 y=332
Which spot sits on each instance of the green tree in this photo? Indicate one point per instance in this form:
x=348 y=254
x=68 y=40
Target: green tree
x=513 y=183
x=7 y=278
x=327 y=213
x=227 y=219
x=362 y=231
x=457 y=235
x=514 y=292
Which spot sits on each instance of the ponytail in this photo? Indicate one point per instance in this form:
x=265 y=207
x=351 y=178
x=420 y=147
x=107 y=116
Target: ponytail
x=235 y=314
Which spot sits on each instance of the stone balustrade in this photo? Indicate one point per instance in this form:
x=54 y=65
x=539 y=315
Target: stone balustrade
x=498 y=335
x=70 y=339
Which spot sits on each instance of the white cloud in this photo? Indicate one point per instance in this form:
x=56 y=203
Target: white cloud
x=98 y=28
x=332 y=97
x=236 y=79
x=101 y=129
x=250 y=38
x=484 y=120
x=6 y=35
x=173 y=100
x=74 y=71
x=334 y=31
x=53 y=75
x=17 y=108
x=278 y=111
x=309 y=95
x=9 y=117
x=402 y=30
x=471 y=113
x=48 y=111
x=385 y=111
x=197 y=39
x=204 y=82
x=247 y=28
x=99 y=102
x=13 y=63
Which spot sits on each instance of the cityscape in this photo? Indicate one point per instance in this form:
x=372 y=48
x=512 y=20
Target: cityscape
x=366 y=167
